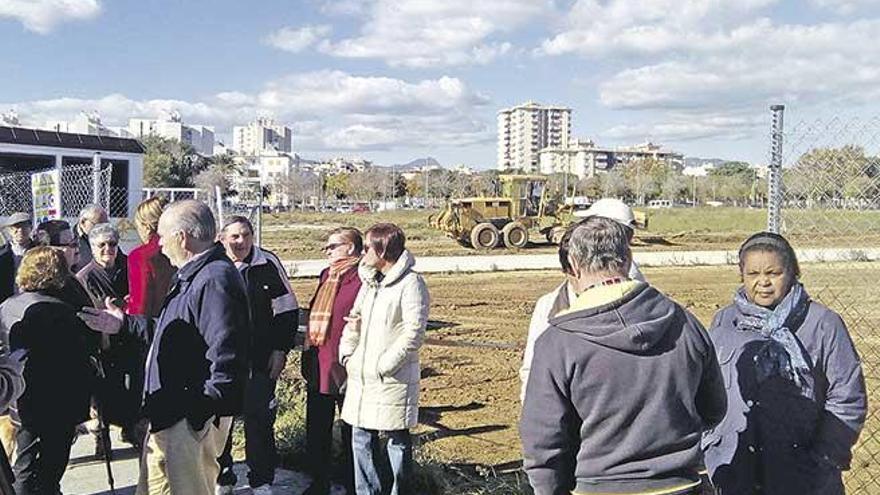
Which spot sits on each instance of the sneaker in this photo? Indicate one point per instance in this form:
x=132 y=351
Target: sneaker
x=224 y=490
x=263 y=490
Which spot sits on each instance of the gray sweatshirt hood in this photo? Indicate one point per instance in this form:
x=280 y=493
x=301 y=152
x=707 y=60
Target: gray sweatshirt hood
x=635 y=323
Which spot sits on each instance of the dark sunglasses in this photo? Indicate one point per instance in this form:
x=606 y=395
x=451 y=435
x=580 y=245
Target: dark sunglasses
x=331 y=247
x=112 y=244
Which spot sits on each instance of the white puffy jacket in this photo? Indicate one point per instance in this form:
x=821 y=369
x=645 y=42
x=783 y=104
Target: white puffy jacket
x=381 y=352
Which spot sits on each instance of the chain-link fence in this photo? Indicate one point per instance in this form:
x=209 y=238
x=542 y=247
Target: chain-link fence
x=79 y=186
x=223 y=209
x=829 y=205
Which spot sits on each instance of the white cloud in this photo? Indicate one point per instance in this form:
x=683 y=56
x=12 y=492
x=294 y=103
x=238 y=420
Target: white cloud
x=701 y=68
x=422 y=33
x=647 y=27
x=844 y=7
x=679 y=127
x=346 y=7
x=295 y=40
x=330 y=110
x=758 y=63
x=41 y=16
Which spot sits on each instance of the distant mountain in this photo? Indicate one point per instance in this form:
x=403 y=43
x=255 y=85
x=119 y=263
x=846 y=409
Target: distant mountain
x=418 y=163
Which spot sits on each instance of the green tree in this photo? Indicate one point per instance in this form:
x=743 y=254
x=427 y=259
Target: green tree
x=644 y=177
x=170 y=163
x=337 y=186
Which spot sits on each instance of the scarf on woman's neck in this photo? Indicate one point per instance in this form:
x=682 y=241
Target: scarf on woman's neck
x=322 y=308
x=783 y=356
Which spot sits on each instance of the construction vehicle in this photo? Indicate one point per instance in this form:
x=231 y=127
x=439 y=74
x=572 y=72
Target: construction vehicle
x=485 y=223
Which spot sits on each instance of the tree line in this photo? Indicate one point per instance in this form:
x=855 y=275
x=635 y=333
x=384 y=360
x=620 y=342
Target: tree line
x=823 y=174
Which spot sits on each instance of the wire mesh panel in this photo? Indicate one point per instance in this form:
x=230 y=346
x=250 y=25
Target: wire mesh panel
x=830 y=203
x=80 y=187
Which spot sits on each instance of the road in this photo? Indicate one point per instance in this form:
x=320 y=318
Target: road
x=491 y=263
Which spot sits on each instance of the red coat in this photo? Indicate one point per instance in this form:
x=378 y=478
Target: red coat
x=326 y=375
x=149 y=277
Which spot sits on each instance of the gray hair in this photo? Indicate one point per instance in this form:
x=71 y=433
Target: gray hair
x=599 y=245
x=93 y=213
x=193 y=218
x=101 y=232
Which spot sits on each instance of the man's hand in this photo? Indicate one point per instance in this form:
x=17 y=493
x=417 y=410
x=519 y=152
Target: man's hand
x=277 y=360
x=108 y=321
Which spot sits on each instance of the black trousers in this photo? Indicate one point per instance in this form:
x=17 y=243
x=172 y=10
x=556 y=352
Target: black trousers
x=260 y=408
x=320 y=412
x=42 y=459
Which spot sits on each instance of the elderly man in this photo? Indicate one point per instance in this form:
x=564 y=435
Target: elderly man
x=622 y=383
x=274 y=311
x=18 y=227
x=196 y=365
x=90 y=216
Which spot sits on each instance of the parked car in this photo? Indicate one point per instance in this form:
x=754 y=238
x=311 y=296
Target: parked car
x=361 y=208
x=344 y=209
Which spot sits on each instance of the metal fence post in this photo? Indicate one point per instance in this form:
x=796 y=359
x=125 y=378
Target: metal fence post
x=774 y=179
x=96 y=178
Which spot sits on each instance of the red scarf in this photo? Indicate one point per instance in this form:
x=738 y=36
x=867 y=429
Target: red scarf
x=322 y=307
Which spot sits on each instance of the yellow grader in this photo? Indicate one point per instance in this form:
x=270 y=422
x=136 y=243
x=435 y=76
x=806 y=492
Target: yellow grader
x=485 y=223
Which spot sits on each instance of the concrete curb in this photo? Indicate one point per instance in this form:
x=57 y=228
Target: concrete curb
x=493 y=263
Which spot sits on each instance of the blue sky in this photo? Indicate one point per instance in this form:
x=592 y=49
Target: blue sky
x=394 y=80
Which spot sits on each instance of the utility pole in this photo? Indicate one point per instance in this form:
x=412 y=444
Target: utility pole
x=425 y=173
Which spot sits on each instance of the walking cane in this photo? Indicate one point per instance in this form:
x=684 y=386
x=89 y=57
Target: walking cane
x=104 y=428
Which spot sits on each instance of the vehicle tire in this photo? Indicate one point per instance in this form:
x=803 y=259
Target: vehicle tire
x=485 y=236
x=515 y=235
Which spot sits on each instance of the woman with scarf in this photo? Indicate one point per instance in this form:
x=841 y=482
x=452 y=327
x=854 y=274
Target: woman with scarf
x=795 y=390
x=338 y=287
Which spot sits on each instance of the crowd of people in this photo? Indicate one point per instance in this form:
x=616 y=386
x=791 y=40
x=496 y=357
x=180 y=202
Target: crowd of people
x=191 y=330
x=623 y=390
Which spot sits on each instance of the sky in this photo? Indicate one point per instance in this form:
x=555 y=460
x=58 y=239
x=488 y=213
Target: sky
x=397 y=80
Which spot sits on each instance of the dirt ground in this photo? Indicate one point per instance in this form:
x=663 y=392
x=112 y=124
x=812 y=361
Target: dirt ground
x=478 y=325
x=477 y=330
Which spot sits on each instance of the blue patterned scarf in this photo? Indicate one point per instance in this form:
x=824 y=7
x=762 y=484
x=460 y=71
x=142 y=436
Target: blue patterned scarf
x=783 y=356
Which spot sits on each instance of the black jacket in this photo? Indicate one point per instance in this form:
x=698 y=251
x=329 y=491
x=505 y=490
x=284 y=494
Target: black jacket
x=273 y=305
x=197 y=362
x=58 y=372
x=7 y=271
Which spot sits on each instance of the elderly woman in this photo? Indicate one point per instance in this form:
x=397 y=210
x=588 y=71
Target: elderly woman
x=149 y=271
x=337 y=289
x=795 y=391
x=57 y=370
x=380 y=351
x=106 y=275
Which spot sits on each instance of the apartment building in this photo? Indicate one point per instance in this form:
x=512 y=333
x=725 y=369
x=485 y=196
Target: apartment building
x=262 y=135
x=171 y=126
x=584 y=159
x=524 y=130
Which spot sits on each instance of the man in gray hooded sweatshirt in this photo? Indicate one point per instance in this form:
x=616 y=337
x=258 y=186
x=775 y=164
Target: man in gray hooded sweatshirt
x=622 y=384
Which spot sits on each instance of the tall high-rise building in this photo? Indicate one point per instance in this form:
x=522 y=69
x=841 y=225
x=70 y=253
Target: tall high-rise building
x=262 y=135
x=525 y=130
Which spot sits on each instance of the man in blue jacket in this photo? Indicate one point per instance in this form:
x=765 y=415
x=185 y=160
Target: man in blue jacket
x=197 y=364
x=622 y=384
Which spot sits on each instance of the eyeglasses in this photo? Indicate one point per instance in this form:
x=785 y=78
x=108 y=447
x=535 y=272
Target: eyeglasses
x=332 y=246
x=111 y=244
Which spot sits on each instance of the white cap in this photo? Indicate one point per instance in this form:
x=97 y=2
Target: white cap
x=613 y=209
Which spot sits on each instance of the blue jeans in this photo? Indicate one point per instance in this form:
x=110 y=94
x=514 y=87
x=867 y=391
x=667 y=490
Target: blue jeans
x=369 y=476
